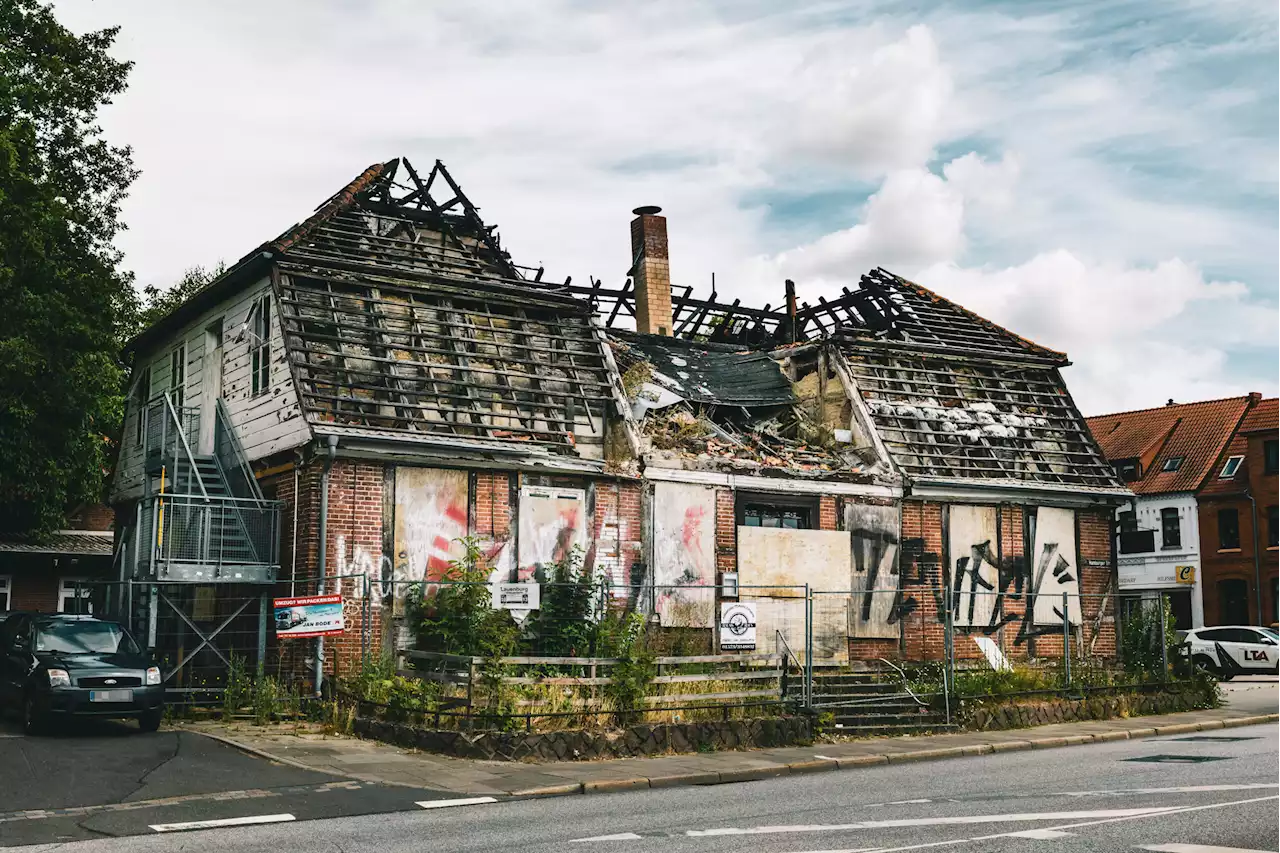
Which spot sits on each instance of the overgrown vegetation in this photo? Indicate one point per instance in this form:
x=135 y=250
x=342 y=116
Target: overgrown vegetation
x=1143 y=657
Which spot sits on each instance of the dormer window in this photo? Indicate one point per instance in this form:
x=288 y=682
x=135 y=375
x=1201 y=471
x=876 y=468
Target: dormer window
x=1229 y=469
x=1173 y=463
x=1128 y=469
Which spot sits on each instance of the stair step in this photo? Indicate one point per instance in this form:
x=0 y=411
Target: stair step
x=894 y=729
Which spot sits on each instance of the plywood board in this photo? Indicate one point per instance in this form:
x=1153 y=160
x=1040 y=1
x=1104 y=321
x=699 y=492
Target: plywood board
x=552 y=523
x=1054 y=569
x=684 y=547
x=431 y=519
x=873 y=531
x=973 y=575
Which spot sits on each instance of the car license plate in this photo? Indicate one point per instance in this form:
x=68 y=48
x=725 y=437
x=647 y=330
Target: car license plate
x=110 y=695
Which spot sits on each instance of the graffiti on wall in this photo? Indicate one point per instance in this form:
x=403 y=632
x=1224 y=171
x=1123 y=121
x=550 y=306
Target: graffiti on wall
x=684 y=553
x=553 y=522
x=1056 y=571
x=430 y=519
x=975 y=572
x=873 y=609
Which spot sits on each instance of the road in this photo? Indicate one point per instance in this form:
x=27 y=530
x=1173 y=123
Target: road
x=105 y=778
x=1217 y=789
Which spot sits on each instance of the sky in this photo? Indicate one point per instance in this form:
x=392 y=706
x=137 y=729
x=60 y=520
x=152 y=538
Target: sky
x=1098 y=177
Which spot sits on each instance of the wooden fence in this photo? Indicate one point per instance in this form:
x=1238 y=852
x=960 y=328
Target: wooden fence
x=749 y=669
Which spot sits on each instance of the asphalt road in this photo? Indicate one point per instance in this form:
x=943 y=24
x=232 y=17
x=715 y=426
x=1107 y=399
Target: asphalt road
x=95 y=781
x=105 y=778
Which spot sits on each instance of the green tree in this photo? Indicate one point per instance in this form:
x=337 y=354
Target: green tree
x=156 y=303
x=66 y=304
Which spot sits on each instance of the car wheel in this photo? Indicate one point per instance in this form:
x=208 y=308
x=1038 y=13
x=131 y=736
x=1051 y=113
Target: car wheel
x=32 y=722
x=150 y=720
x=1205 y=663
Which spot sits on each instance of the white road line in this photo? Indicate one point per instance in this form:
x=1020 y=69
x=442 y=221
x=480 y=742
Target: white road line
x=825 y=757
x=1041 y=834
x=1200 y=848
x=959 y=820
x=1154 y=813
x=229 y=821
x=1185 y=789
x=621 y=836
x=907 y=802
x=461 y=801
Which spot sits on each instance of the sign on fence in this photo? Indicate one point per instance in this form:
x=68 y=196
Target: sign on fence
x=308 y=616
x=737 y=626
x=519 y=596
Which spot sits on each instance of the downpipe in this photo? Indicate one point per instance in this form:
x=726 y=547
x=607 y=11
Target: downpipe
x=324 y=548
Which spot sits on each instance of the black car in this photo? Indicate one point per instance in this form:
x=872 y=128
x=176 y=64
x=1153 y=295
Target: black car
x=59 y=665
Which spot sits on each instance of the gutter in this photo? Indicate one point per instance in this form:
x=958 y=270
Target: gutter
x=324 y=548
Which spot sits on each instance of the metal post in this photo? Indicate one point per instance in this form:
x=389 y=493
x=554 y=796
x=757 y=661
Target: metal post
x=1066 y=638
x=947 y=673
x=151 y=617
x=264 y=603
x=808 y=647
x=1164 y=645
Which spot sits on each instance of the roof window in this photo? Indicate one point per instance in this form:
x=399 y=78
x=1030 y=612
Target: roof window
x=1229 y=469
x=1173 y=463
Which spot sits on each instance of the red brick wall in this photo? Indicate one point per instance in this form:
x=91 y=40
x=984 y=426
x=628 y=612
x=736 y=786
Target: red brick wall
x=33 y=591
x=827 y=519
x=726 y=531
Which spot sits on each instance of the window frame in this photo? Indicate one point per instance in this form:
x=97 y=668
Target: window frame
x=1224 y=474
x=1234 y=514
x=809 y=504
x=1165 y=514
x=1273 y=526
x=142 y=395
x=1172 y=464
x=260 y=347
x=178 y=375
x=6 y=590
x=66 y=593
x=1271 y=456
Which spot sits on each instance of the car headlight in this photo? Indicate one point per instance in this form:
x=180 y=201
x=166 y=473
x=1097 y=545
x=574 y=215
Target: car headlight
x=59 y=678
x=153 y=676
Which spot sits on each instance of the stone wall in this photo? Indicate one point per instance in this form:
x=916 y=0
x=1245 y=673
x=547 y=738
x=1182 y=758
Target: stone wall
x=585 y=745
x=992 y=716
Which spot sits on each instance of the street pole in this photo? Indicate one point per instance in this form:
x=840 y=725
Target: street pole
x=1066 y=638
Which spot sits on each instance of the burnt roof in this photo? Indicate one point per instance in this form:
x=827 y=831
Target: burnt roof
x=706 y=373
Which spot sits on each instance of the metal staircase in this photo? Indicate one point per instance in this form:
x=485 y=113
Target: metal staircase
x=203 y=518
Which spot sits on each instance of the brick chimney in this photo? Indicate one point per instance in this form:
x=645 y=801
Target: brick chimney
x=1254 y=398
x=652 y=271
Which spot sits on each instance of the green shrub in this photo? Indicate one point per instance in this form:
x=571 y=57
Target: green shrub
x=1141 y=653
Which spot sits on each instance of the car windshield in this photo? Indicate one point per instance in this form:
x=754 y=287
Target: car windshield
x=84 y=638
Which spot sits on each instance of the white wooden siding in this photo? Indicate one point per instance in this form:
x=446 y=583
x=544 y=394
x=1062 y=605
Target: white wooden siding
x=266 y=424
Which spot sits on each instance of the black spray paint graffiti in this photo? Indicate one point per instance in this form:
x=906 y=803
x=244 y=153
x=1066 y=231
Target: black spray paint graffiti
x=869 y=552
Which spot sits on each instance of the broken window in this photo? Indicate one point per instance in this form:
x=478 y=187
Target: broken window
x=260 y=347
x=178 y=375
x=142 y=396
x=773 y=515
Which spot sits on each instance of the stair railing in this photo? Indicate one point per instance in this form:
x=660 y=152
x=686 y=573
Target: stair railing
x=231 y=457
x=165 y=538
x=781 y=646
x=906 y=685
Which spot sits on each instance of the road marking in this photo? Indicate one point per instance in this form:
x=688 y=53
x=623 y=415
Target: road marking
x=461 y=801
x=1154 y=813
x=1200 y=848
x=960 y=820
x=1186 y=789
x=826 y=757
x=228 y=821
x=621 y=836
x=1041 y=834
x=907 y=802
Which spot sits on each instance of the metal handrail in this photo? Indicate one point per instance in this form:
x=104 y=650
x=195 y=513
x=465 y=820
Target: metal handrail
x=237 y=449
x=191 y=459
x=905 y=685
x=779 y=639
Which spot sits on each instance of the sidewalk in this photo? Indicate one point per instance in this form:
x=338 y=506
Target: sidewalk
x=372 y=761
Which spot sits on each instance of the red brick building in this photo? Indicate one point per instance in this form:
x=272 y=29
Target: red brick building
x=54 y=574
x=353 y=399
x=1238 y=525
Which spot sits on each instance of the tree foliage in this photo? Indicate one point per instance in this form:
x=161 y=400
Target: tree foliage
x=156 y=303
x=66 y=303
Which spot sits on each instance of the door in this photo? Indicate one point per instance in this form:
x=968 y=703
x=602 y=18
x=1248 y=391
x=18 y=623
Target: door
x=212 y=386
